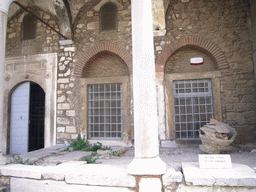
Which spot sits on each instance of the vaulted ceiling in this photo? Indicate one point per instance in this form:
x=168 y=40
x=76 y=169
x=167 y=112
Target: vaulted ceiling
x=66 y=11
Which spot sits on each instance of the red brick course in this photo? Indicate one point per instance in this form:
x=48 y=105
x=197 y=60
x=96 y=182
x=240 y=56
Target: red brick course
x=196 y=43
x=111 y=47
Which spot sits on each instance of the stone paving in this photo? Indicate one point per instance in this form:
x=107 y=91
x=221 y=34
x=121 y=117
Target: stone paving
x=53 y=169
x=123 y=156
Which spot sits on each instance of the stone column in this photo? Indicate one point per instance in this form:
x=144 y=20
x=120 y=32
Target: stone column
x=147 y=165
x=4 y=7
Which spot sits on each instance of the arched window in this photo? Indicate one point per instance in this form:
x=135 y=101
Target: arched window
x=108 y=17
x=29 y=27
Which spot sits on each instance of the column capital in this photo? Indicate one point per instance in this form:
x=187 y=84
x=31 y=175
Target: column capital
x=4 y=5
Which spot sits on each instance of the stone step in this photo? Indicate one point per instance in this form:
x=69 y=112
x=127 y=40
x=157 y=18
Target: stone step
x=238 y=176
x=73 y=172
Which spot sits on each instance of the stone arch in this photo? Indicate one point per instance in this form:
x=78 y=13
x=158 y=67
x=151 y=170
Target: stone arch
x=101 y=3
x=196 y=43
x=111 y=47
x=16 y=81
x=105 y=64
x=10 y=87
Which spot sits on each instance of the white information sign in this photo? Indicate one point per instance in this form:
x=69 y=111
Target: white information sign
x=214 y=161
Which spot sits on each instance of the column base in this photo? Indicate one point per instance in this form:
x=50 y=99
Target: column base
x=147 y=166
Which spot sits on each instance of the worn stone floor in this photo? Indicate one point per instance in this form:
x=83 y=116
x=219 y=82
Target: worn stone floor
x=173 y=157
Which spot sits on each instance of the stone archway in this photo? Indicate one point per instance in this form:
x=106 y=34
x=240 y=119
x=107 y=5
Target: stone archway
x=186 y=44
x=27 y=118
x=106 y=69
x=111 y=47
x=196 y=43
x=45 y=78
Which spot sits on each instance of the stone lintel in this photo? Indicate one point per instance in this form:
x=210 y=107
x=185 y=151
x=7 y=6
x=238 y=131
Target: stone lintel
x=147 y=166
x=239 y=176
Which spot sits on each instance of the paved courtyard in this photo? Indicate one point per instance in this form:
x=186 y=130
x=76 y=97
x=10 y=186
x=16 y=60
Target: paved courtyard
x=173 y=157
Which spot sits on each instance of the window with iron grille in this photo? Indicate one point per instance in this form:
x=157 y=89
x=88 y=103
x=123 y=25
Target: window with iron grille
x=105 y=111
x=193 y=107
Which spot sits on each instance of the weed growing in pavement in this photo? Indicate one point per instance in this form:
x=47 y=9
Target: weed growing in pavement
x=90 y=159
x=116 y=153
x=106 y=148
x=18 y=160
x=80 y=144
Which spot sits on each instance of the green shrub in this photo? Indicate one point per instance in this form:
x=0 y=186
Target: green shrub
x=80 y=144
x=116 y=153
x=96 y=146
x=90 y=159
x=18 y=160
x=106 y=148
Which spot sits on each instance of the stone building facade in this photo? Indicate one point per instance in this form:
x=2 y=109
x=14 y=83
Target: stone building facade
x=90 y=69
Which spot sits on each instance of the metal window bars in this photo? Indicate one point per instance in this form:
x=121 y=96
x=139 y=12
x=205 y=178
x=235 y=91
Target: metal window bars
x=193 y=107
x=105 y=111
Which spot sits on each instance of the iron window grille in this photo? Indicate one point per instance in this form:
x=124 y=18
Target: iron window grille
x=105 y=111
x=193 y=107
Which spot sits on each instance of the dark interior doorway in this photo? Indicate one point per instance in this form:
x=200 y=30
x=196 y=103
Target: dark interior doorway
x=36 y=117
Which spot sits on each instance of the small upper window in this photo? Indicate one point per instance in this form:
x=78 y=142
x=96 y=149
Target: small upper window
x=29 y=27
x=108 y=15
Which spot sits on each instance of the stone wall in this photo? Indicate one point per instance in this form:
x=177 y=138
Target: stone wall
x=253 y=27
x=105 y=64
x=46 y=40
x=67 y=110
x=179 y=62
x=226 y=25
x=87 y=32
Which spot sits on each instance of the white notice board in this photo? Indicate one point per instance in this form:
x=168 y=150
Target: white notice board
x=214 y=161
